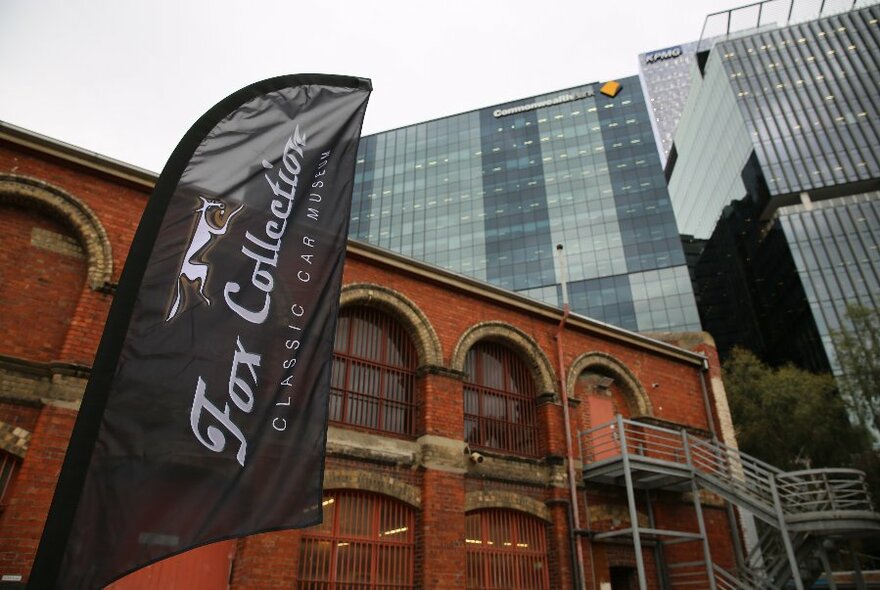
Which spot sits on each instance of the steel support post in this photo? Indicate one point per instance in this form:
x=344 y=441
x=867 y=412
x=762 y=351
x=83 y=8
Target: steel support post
x=698 y=508
x=631 y=501
x=786 y=537
x=826 y=565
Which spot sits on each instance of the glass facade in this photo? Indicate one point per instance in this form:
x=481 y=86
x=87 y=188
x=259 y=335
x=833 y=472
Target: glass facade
x=490 y=193
x=665 y=75
x=807 y=103
x=810 y=95
x=713 y=145
x=778 y=160
x=835 y=245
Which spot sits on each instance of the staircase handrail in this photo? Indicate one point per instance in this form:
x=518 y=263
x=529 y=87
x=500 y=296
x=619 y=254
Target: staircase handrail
x=741 y=580
x=785 y=498
x=746 y=475
x=604 y=441
x=820 y=490
x=802 y=491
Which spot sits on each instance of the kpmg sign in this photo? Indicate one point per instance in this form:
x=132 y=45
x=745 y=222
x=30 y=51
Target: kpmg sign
x=662 y=54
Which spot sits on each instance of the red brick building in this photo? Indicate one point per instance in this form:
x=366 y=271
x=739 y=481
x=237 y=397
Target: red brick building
x=447 y=462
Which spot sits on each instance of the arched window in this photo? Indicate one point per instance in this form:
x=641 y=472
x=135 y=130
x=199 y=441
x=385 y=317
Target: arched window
x=506 y=549
x=374 y=367
x=499 y=401
x=366 y=542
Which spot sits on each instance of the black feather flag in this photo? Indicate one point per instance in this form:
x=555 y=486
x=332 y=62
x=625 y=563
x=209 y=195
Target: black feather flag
x=205 y=415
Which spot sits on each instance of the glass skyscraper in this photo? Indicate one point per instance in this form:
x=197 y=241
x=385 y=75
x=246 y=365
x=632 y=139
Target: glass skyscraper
x=835 y=248
x=491 y=192
x=778 y=167
x=665 y=75
x=804 y=99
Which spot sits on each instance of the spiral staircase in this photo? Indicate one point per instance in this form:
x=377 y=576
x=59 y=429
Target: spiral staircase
x=800 y=513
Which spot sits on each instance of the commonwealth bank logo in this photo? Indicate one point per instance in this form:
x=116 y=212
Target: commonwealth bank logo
x=611 y=88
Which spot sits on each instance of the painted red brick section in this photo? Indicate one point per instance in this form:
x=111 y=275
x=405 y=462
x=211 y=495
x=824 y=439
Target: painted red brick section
x=266 y=561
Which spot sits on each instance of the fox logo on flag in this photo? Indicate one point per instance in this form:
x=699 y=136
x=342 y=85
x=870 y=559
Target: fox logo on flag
x=193 y=268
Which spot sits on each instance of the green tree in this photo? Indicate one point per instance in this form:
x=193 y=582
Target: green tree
x=858 y=354
x=789 y=417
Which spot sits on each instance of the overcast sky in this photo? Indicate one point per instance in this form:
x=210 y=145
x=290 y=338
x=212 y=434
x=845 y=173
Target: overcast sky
x=126 y=78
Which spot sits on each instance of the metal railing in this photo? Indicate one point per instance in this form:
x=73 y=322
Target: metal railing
x=794 y=504
x=728 y=469
x=691 y=574
x=741 y=580
x=822 y=490
x=767 y=14
x=746 y=476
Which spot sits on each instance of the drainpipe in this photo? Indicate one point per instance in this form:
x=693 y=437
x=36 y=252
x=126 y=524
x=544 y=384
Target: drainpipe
x=574 y=512
x=738 y=551
x=709 y=417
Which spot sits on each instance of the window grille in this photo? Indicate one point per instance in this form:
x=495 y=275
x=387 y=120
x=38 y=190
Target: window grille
x=374 y=367
x=366 y=542
x=506 y=549
x=499 y=401
x=8 y=469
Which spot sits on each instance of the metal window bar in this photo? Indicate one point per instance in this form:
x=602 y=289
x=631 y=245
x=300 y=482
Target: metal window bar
x=8 y=468
x=499 y=401
x=366 y=541
x=374 y=372
x=505 y=549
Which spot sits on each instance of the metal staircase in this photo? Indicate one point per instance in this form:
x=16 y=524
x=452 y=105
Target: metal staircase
x=797 y=508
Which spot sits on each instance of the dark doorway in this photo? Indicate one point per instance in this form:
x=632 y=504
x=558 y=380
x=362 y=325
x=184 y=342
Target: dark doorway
x=624 y=578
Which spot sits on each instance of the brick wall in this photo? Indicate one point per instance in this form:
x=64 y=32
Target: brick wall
x=266 y=561
x=117 y=203
x=21 y=524
x=441 y=537
x=20 y=415
x=42 y=273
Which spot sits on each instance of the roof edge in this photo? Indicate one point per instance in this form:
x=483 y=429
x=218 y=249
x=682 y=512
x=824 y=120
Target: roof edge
x=488 y=291
x=77 y=155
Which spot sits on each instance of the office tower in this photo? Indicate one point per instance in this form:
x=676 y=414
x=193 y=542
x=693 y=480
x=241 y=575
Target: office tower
x=665 y=75
x=491 y=192
x=776 y=161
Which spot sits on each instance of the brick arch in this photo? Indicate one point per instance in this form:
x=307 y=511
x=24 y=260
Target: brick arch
x=510 y=500
x=518 y=340
x=35 y=194
x=338 y=479
x=402 y=309
x=635 y=394
x=15 y=440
